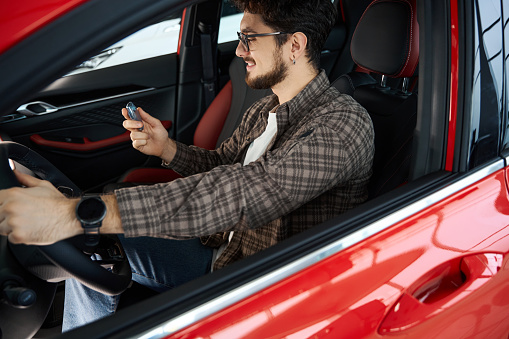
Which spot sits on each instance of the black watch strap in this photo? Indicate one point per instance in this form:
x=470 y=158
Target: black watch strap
x=90 y=211
x=92 y=235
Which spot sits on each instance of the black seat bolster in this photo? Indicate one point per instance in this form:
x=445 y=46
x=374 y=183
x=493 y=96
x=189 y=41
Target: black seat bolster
x=242 y=98
x=394 y=118
x=347 y=83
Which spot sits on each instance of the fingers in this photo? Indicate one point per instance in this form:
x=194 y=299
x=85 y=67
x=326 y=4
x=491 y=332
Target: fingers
x=148 y=118
x=145 y=117
x=139 y=138
x=36 y=215
x=4 y=226
x=27 y=180
x=14 y=238
x=125 y=114
x=6 y=209
x=152 y=139
x=132 y=125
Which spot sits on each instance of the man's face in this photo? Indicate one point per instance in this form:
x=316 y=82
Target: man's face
x=265 y=64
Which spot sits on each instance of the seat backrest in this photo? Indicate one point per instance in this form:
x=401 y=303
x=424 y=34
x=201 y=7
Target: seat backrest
x=386 y=43
x=350 y=12
x=225 y=112
x=243 y=97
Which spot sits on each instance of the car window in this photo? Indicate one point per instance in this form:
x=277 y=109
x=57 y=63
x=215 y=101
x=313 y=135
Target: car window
x=229 y=24
x=487 y=89
x=156 y=40
x=149 y=42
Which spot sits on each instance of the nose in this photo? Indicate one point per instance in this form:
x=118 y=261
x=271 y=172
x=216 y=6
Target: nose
x=241 y=50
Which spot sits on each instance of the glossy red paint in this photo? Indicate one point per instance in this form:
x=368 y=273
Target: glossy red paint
x=411 y=278
x=507 y=176
x=453 y=97
x=182 y=22
x=19 y=19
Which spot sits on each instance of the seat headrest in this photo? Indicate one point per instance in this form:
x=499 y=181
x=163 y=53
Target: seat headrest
x=386 y=39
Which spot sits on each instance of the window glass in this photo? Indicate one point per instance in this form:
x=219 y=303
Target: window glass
x=487 y=91
x=152 y=41
x=229 y=24
x=156 y=40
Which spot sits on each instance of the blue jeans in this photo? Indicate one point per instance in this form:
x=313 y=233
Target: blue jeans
x=160 y=264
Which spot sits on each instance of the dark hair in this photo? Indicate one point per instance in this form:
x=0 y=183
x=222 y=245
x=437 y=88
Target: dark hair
x=314 y=18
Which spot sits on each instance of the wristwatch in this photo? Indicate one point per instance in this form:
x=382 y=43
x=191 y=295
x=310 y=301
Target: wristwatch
x=90 y=212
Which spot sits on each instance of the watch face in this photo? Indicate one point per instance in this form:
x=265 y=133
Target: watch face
x=91 y=210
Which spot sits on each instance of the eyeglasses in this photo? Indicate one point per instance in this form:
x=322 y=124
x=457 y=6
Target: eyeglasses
x=244 y=38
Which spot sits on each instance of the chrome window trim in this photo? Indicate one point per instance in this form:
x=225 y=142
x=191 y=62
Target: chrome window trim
x=186 y=319
x=107 y=98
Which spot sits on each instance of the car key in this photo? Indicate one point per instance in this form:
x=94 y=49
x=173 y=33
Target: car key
x=133 y=113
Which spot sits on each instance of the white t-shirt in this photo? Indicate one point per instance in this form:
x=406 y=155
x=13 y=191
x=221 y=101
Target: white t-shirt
x=259 y=146
x=254 y=152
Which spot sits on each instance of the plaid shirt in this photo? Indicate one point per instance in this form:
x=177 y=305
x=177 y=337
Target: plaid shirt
x=317 y=166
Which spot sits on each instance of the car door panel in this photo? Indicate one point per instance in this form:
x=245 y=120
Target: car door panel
x=86 y=124
x=448 y=254
x=440 y=290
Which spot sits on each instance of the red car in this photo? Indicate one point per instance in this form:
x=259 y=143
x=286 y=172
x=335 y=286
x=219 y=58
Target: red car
x=426 y=256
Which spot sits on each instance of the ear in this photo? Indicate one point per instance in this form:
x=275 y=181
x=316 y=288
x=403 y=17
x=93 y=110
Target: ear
x=299 y=42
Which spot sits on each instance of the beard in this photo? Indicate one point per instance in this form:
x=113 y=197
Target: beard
x=273 y=77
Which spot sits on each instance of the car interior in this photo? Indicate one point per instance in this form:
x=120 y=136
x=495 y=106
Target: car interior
x=371 y=54
x=389 y=107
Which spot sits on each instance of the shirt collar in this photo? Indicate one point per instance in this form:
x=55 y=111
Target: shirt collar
x=296 y=108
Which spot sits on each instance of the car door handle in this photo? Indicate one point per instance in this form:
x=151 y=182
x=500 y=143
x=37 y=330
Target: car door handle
x=36 y=108
x=439 y=289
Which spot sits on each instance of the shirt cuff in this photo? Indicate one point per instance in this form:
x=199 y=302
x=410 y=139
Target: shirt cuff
x=180 y=162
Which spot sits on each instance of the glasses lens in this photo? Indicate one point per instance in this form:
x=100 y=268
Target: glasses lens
x=243 y=39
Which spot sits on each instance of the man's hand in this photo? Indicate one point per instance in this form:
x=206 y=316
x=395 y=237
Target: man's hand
x=153 y=140
x=38 y=214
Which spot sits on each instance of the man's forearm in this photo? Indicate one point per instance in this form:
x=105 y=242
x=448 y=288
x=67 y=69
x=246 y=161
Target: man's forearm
x=112 y=223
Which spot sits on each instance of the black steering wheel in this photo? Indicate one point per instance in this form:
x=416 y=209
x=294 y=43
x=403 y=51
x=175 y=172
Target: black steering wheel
x=108 y=273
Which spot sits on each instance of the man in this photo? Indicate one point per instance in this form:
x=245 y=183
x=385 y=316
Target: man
x=298 y=158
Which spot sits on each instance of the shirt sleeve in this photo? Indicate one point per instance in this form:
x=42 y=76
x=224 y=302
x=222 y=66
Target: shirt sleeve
x=235 y=197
